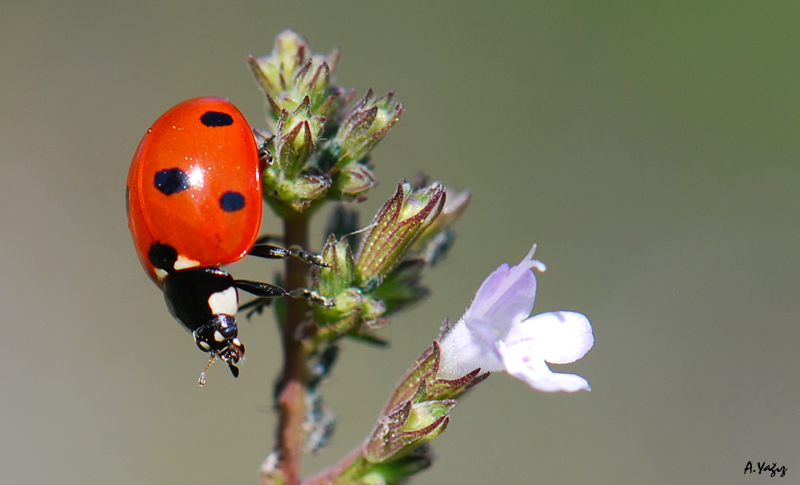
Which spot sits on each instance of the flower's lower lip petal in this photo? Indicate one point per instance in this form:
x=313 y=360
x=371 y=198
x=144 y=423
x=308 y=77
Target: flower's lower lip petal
x=536 y=374
x=566 y=383
x=558 y=337
x=554 y=381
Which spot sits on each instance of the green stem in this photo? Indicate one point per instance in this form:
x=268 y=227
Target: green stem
x=350 y=468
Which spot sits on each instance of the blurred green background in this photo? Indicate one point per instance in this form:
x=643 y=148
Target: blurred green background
x=651 y=150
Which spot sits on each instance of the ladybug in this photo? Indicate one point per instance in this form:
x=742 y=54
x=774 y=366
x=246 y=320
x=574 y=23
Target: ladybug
x=193 y=200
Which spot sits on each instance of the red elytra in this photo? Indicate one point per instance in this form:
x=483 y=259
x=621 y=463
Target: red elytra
x=194 y=185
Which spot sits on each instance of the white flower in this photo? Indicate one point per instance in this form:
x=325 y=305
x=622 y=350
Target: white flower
x=496 y=333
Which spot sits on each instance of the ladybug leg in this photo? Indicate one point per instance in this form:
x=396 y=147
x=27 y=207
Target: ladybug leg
x=312 y=296
x=263 y=140
x=266 y=290
x=276 y=252
x=256 y=306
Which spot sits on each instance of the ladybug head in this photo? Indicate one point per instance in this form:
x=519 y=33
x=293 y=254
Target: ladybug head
x=219 y=337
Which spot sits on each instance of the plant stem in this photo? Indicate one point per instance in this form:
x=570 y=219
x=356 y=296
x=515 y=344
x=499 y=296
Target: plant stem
x=292 y=390
x=352 y=466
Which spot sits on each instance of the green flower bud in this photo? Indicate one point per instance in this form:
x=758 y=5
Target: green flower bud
x=298 y=193
x=275 y=72
x=437 y=238
x=340 y=319
x=420 y=382
x=424 y=414
x=352 y=312
x=340 y=273
x=395 y=227
x=291 y=72
x=368 y=122
x=313 y=79
x=352 y=182
x=336 y=282
x=297 y=135
x=288 y=178
x=406 y=428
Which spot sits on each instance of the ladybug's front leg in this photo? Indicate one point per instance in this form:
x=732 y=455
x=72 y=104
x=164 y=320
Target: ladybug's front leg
x=257 y=288
x=269 y=251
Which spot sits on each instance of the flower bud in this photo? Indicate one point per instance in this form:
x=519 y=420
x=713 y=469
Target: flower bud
x=340 y=319
x=288 y=178
x=275 y=71
x=421 y=381
x=336 y=282
x=368 y=122
x=298 y=193
x=352 y=182
x=406 y=428
x=434 y=242
x=291 y=72
x=424 y=414
x=297 y=135
x=340 y=273
x=395 y=227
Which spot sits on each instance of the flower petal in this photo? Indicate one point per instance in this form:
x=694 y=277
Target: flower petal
x=506 y=296
x=495 y=334
x=468 y=346
x=557 y=337
x=535 y=372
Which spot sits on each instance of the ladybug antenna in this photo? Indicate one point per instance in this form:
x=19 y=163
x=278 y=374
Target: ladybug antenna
x=202 y=381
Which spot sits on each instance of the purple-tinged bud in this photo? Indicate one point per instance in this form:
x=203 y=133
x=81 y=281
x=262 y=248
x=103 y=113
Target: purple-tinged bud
x=291 y=72
x=368 y=122
x=407 y=427
x=395 y=227
x=352 y=182
x=296 y=137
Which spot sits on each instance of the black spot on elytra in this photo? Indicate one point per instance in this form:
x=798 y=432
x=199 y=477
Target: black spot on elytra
x=171 y=181
x=162 y=256
x=231 y=201
x=127 y=200
x=216 y=118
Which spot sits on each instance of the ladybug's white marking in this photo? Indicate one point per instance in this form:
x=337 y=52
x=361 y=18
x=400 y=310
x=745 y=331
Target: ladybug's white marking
x=161 y=275
x=205 y=345
x=183 y=262
x=225 y=302
x=218 y=336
